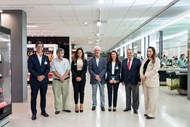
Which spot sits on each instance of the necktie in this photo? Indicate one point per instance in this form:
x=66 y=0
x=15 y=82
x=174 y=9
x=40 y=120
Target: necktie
x=129 y=64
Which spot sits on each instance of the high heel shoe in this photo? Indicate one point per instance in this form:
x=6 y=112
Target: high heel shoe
x=76 y=109
x=114 y=109
x=81 y=108
x=109 y=109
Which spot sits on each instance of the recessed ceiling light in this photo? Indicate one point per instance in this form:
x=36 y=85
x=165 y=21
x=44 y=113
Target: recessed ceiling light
x=85 y=23
x=99 y=23
x=98 y=34
x=97 y=40
x=1 y=11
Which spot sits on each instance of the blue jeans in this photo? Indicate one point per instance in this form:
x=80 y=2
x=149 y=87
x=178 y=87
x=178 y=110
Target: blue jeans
x=94 y=94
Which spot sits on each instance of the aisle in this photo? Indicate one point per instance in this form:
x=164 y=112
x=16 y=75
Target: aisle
x=173 y=111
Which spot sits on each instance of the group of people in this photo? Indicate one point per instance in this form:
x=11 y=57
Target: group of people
x=131 y=72
x=181 y=62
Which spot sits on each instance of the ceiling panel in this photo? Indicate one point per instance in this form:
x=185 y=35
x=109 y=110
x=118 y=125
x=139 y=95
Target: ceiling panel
x=66 y=17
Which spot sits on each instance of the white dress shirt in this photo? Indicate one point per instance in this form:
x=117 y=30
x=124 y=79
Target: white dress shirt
x=60 y=66
x=113 y=68
x=39 y=58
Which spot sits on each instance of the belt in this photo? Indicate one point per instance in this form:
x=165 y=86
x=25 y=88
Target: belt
x=59 y=79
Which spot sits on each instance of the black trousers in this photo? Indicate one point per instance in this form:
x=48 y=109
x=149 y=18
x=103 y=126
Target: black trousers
x=112 y=91
x=34 y=93
x=79 y=90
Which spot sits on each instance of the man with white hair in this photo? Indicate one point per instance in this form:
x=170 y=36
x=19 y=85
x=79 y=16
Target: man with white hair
x=97 y=69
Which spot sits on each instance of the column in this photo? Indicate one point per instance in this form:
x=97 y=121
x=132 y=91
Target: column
x=160 y=44
x=188 y=79
x=16 y=21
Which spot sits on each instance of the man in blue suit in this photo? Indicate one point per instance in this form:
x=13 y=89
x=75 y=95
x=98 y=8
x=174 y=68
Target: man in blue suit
x=97 y=69
x=130 y=78
x=39 y=67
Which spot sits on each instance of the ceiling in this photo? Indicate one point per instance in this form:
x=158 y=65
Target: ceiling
x=119 y=18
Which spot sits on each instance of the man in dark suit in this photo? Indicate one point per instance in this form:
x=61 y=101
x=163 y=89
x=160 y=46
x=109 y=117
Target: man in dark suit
x=39 y=67
x=130 y=78
x=97 y=69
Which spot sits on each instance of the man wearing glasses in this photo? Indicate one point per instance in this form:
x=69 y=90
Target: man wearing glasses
x=39 y=67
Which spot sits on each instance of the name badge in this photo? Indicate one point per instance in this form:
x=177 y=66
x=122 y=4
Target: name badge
x=75 y=64
x=112 y=77
x=45 y=63
x=117 y=68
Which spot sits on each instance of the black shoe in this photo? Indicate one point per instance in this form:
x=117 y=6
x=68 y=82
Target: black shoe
x=67 y=110
x=77 y=111
x=114 y=109
x=93 y=108
x=103 y=109
x=135 y=111
x=148 y=117
x=57 y=112
x=33 y=117
x=81 y=111
x=145 y=115
x=44 y=114
x=109 y=109
x=127 y=109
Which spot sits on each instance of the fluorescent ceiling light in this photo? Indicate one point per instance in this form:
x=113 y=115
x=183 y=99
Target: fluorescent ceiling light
x=31 y=26
x=155 y=30
x=123 y=1
x=100 y=1
x=97 y=40
x=175 y=35
x=99 y=23
x=2 y=39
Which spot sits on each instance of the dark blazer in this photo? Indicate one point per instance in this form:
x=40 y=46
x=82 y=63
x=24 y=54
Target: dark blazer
x=74 y=69
x=36 y=69
x=116 y=73
x=97 y=70
x=133 y=75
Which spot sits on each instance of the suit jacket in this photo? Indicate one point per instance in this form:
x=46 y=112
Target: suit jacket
x=97 y=70
x=131 y=76
x=117 y=71
x=74 y=69
x=152 y=76
x=36 y=69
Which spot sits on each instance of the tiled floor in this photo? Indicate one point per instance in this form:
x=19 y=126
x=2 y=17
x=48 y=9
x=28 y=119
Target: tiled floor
x=173 y=111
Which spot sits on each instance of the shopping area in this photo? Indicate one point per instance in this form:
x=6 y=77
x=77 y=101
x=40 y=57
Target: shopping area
x=111 y=24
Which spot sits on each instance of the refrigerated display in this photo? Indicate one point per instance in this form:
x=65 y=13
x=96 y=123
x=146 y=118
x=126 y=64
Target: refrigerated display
x=5 y=73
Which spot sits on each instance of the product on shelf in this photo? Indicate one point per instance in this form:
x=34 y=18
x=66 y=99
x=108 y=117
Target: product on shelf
x=3 y=104
x=1 y=90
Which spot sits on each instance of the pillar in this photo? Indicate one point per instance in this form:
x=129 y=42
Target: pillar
x=16 y=21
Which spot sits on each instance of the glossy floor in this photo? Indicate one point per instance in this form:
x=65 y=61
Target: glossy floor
x=173 y=111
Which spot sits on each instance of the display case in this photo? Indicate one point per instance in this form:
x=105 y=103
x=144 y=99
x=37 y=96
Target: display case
x=5 y=73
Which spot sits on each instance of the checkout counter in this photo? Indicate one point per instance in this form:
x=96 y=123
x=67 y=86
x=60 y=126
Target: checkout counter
x=181 y=73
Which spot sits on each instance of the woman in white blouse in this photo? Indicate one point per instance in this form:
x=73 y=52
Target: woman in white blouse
x=150 y=82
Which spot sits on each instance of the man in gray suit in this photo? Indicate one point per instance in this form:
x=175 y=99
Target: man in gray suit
x=97 y=69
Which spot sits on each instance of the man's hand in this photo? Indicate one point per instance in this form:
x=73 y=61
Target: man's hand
x=41 y=78
x=97 y=77
x=62 y=79
x=78 y=79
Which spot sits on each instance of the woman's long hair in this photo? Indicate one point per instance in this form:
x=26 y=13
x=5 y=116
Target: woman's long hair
x=76 y=56
x=153 y=57
x=117 y=57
